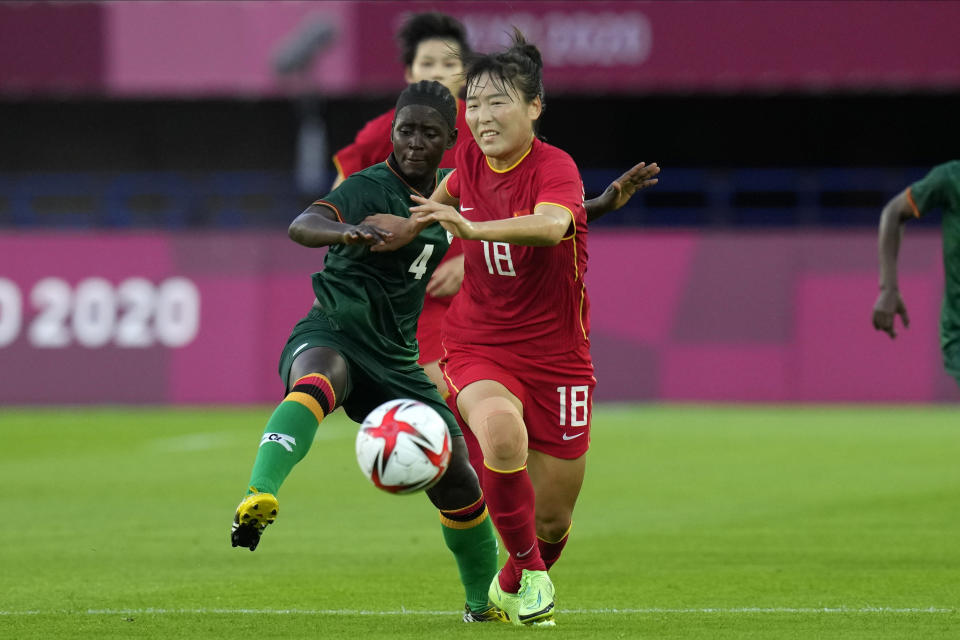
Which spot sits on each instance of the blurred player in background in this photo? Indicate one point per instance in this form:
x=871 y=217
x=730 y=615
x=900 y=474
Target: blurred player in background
x=940 y=188
x=516 y=346
x=433 y=46
x=356 y=346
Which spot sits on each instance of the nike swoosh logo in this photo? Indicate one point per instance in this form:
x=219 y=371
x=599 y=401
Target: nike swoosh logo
x=299 y=349
x=569 y=437
x=527 y=552
x=466 y=209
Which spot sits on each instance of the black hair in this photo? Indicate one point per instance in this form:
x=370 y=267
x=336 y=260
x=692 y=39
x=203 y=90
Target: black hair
x=432 y=94
x=427 y=26
x=520 y=66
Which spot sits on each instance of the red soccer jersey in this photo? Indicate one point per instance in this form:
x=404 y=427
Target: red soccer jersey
x=531 y=300
x=372 y=144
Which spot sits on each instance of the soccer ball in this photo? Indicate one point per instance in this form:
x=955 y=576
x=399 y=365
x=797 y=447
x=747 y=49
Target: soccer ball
x=403 y=446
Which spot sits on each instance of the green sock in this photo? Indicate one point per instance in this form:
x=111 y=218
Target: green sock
x=286 y=439
x=469 y=534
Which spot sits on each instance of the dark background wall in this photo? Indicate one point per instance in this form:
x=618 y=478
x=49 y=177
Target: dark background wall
x=600 y=132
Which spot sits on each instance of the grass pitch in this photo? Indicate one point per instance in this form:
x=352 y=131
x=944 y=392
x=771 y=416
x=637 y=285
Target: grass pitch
x=694 y=522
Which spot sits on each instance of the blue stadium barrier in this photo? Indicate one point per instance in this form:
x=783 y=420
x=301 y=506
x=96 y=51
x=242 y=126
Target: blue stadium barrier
x=684 y=197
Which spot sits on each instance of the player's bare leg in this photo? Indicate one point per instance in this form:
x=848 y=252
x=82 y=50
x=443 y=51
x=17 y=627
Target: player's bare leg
x=432 y=369
x=495 y=417
x=557 y=483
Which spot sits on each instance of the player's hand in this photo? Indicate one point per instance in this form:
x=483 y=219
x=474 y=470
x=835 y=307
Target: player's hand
x=619 y=192
x=400 y=230
x=367 y=234
x=889 y=305
x=446 y=280
x=428 y=211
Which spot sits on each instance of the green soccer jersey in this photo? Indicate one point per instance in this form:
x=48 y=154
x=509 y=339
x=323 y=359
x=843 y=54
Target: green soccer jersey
x=376 y=298
x=941 y=189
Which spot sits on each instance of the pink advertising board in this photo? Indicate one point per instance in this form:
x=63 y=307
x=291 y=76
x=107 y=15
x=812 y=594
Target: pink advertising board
x=677 y=316
x=134 y=48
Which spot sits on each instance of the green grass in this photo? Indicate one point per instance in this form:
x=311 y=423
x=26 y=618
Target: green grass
x=694 y=522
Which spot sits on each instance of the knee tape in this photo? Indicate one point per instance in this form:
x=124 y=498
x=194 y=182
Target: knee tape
x=498 y=422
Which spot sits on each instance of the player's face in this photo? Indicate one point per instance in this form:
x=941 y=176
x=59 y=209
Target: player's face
x=499 y=119
x=438 y=59
x=420 y=136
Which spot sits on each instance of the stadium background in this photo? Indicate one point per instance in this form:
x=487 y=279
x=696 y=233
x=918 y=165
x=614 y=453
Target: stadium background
x=153 y=154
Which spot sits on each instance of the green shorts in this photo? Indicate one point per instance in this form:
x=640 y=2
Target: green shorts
x=372 y=379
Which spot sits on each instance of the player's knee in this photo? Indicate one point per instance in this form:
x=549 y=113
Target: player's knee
x=459 y=485
x=500 y=428
x=552 y=527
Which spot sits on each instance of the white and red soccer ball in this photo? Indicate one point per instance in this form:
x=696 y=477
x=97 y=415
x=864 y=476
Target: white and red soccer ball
x=403 y=446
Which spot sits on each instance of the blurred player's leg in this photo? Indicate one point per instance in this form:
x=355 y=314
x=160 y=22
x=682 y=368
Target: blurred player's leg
x=432 y=369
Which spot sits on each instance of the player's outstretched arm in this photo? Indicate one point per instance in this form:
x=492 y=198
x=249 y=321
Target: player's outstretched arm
x=404 y=230
x=619 y=192
x=318 y=226
x=889 y=303
x=545 y=227
x=426 y=212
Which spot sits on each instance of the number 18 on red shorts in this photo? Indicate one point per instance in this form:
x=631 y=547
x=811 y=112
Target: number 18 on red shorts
x=556 y=391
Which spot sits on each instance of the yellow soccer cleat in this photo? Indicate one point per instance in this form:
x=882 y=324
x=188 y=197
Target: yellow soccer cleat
x=253 y=515
x=490 y=614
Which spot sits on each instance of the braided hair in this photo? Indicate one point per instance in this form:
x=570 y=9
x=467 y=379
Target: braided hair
x=432 y=94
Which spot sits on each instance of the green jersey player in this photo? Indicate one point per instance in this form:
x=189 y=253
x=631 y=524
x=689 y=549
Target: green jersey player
x=356 y=348
x=940 y=188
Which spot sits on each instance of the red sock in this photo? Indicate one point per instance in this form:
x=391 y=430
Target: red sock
x=509 y=576
x=510 y=500
x=550 y=551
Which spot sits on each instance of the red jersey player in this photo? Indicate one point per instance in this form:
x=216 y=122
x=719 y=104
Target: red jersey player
x=516 y=339
x=432 y=46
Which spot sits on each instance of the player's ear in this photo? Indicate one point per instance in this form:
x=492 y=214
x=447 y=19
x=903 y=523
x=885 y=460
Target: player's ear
x=408 y=74
x=452 y=138
x=535 y=108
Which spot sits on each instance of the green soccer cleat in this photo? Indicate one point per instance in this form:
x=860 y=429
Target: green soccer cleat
x=490 y=614
x=253 y=515
x=506 y=602
x=536 y=599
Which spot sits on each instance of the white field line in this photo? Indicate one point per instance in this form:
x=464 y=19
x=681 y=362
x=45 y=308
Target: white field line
x=413 y=612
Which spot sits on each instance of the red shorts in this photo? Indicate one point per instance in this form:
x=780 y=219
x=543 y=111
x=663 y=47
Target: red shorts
x=428 y=328
x=556 y=391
